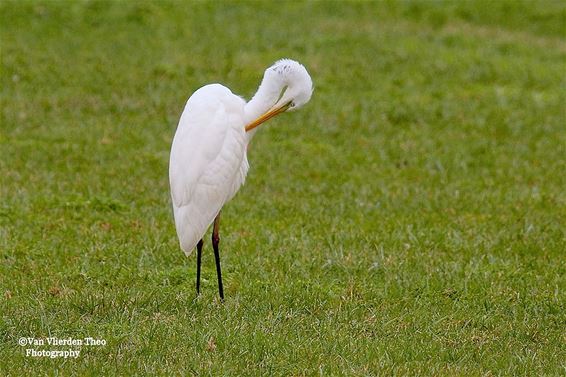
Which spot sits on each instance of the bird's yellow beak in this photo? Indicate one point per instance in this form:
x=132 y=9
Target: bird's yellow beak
x=268 y=115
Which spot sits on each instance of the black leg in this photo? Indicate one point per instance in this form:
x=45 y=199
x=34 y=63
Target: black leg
x=199 y=258
x=215 y=242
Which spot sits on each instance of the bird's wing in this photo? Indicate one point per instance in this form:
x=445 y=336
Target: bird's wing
x=198 y=141
x=206 y=157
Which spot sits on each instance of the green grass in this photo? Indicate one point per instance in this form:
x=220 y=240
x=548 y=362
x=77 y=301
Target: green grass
x=410 y=220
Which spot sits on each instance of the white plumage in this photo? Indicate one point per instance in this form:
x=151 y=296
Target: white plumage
x=208 y=161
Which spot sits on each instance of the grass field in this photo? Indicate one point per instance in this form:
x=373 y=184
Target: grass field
x=410 y=220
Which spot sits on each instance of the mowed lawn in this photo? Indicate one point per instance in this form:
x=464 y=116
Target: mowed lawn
x=410 y=220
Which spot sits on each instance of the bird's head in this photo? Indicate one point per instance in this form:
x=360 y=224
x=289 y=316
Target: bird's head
x=297 y=84
x=290 y=81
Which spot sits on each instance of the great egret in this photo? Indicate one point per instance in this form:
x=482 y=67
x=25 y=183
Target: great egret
x=208 y=161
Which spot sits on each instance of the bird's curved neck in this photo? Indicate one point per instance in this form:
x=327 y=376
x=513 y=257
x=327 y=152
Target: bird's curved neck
x=266 y=96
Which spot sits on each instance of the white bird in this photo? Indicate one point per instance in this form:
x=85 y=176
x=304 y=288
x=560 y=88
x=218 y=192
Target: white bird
x=208 y=161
